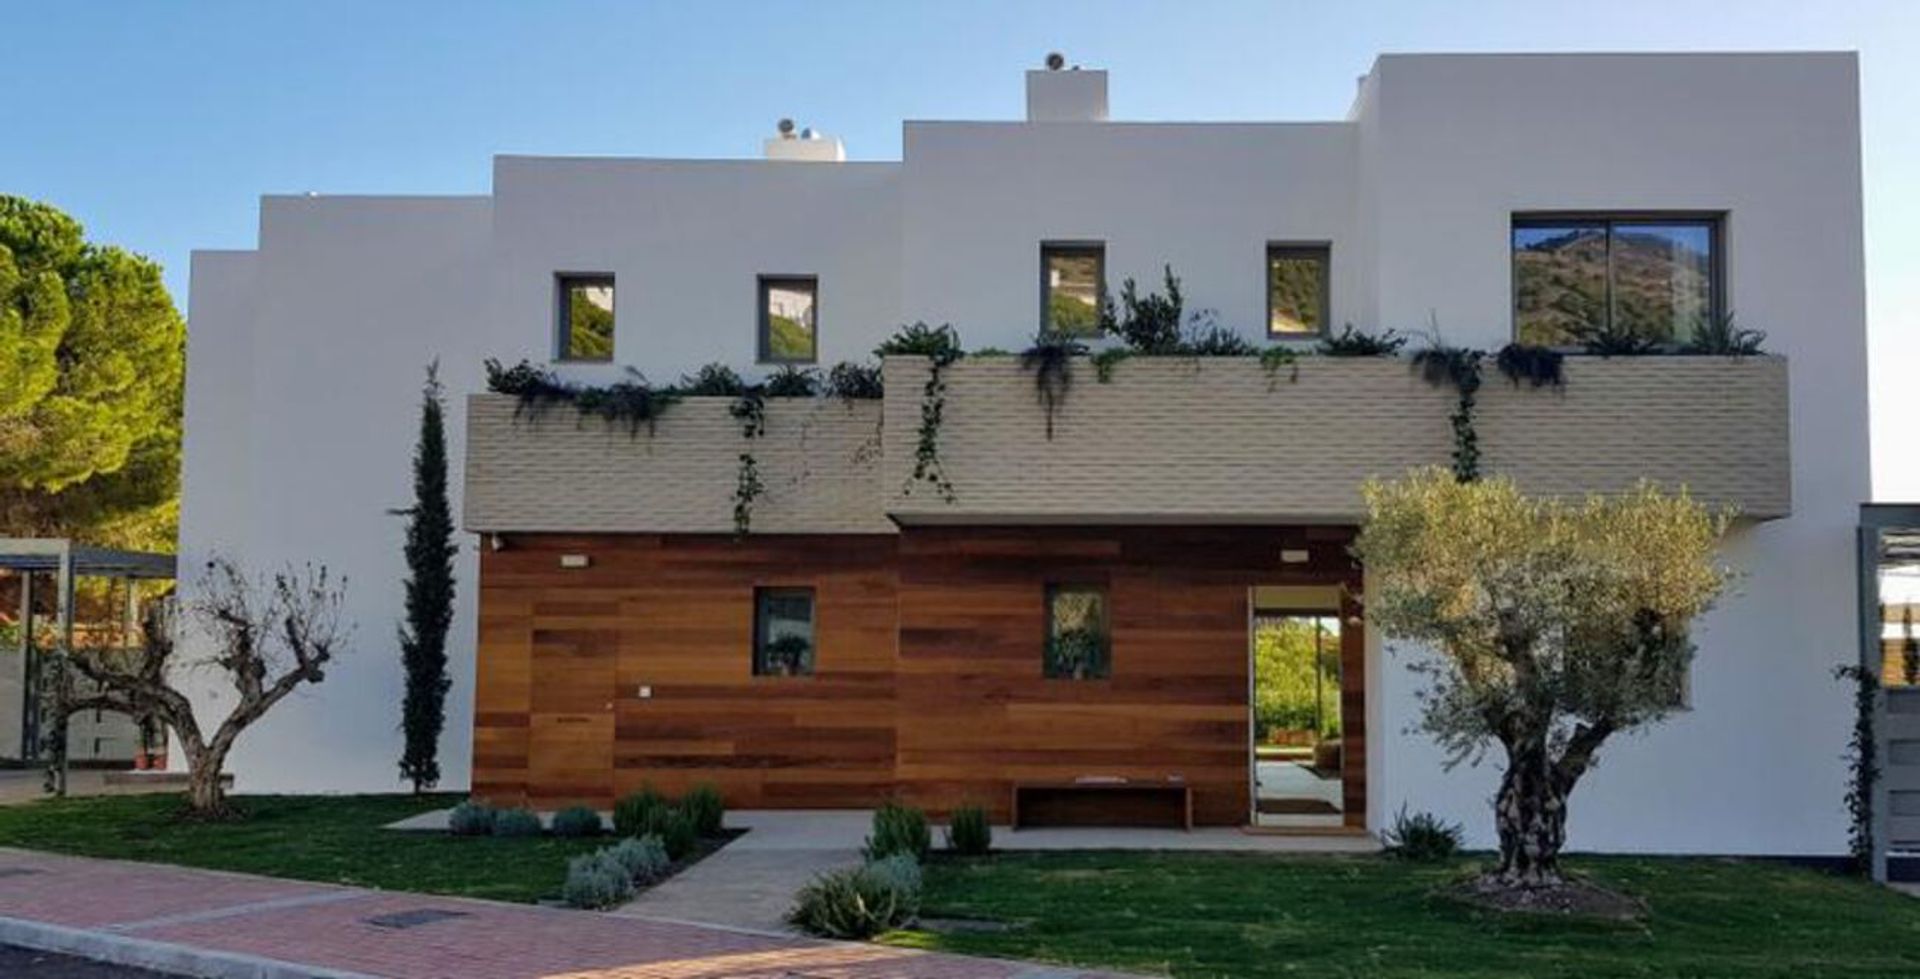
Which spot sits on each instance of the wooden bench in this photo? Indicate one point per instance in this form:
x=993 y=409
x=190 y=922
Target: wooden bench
x=1131 y=804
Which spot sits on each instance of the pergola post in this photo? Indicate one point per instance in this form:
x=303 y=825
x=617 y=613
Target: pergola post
x=64 y=623
x=29 y=674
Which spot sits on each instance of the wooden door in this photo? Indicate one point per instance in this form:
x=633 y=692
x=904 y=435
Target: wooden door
x=570 y=737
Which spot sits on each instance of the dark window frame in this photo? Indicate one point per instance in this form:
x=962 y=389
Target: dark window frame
x=1715 y=222
x=759 y=661
x=1322 y=251
x=563 y=285
x=765 y=283
x=1055 y=588
x=1071 y=248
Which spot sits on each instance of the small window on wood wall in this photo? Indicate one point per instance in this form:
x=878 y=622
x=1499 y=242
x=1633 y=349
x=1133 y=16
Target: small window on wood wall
x=783 y=632
x=1079 y=646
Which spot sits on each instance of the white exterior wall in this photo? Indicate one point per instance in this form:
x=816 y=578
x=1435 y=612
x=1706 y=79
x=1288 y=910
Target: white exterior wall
x=304 y=356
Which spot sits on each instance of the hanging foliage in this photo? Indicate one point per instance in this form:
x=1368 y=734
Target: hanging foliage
x=1862 y=759
x=633 y=402
x=848 y=381
x=941 y=346
x=1444 y=365
x=1051 y=361
x=1350 y=342
x=1274 y=358
x=750 y=410
x=793 y=382
x=1537 y=366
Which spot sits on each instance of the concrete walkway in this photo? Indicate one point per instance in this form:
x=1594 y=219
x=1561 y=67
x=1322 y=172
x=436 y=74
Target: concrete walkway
x=750 y=882
x=208 y=923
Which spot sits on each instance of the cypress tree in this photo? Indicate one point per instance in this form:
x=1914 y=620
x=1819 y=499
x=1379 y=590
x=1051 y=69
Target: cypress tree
x=429 y=591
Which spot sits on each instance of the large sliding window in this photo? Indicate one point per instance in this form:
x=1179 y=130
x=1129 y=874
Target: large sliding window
x=1650 y=277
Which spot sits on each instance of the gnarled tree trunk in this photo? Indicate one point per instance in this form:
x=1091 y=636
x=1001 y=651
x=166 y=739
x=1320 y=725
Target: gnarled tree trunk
x=1531 y=815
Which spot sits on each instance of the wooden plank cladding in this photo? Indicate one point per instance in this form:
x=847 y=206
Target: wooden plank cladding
x=928 y=682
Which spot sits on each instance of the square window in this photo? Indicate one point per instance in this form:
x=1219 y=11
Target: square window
x=1650 y=278
x=1297 y=291
x=1078 y=643
x=789 y=307
x=584 y=327
x=1073 y=284
x=783 y=632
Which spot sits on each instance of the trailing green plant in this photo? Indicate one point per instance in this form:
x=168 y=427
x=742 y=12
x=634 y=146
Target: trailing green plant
x=1421 y=837
x=1442 y=364
x=644 y=858
x=1106 y=360
x=1538 y=366
x=855 y=903
x=429 y=550
x=1050 y=359
x=1273 y=358
x=792 y=382
x=941 y=346
x=677 y=833
x=1611 y=339
x=787 y=654
x=713 y=381
x=898 y=829
x=471 y=818
x=517 y=823
x=705 y=806
x=1149 y=324
x=1350 y=342
x=596 y=881
x=750 y=410
x=638 y=813
x=577 y=821
x=631 y=402
x=1863 y=762
x=969 y=833
x=849 y=381
x=1720 y=336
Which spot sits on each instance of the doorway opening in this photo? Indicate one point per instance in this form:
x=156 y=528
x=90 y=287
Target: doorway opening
x=1297 y=756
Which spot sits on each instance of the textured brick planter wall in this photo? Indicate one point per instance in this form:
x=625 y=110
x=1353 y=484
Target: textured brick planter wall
x=561 y=472
x=1222 y=439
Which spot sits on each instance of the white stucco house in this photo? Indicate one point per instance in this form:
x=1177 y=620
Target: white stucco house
x=1659 y=190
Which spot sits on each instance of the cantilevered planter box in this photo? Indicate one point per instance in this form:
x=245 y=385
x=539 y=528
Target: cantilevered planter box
x=1225 y=440
x=560 y=471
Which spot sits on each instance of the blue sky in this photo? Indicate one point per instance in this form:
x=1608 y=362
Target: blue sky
x=158 y=124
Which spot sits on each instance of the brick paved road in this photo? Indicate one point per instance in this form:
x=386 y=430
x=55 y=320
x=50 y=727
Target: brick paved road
x=356 y=931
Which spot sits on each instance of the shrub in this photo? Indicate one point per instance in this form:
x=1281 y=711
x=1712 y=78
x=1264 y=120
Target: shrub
x=968 y=833
x=577 y=821
x=516 y=823
x=644 y=859
x=901 y=872
x=471 y=818
x=1421 y=837
x=1350 y=342
x=713 y=380
x=596 y=880
x=899 y=829
x=677 y=833
x=793 y=382
x=638 y=814
x=858 y=902
x=704 y=805
x=849 y=381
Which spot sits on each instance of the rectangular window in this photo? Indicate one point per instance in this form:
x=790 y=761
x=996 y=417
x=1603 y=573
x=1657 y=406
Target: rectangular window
x=1078 y=642
x=1297 y=291
x=789 y=307
x=584 y=327
x=783 y=632
x=1652 y=278
x=1073 y=283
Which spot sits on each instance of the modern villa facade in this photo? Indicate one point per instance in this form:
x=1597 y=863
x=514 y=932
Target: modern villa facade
x=876 y=633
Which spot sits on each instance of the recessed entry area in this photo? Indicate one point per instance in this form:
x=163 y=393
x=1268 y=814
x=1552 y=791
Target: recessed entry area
x=1296 y=759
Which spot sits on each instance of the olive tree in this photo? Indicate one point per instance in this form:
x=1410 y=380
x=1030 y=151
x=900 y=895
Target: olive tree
x=1557 y=625
x=267 y=636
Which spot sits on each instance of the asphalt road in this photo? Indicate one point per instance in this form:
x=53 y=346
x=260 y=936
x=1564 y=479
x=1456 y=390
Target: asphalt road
x=21 y=963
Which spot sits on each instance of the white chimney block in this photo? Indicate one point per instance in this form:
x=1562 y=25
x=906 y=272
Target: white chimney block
x=1067 y=96
x=817 y=149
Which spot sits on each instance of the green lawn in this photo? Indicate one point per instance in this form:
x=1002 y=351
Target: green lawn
x=336 y=839
x=1246 y=915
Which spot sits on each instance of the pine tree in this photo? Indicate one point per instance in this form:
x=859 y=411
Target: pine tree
x=423 y=636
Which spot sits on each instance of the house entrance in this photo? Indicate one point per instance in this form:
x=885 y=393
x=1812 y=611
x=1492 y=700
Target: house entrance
x=1297 y=755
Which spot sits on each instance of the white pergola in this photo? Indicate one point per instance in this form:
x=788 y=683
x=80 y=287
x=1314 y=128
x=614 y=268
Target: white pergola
x=65 y=562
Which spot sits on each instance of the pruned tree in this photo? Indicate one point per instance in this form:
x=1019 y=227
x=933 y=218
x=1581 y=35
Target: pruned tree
x=1557 y=626
x=429 y=595
x=268 y=636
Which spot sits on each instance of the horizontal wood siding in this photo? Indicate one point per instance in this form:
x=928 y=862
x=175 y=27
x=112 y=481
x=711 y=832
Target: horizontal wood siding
x=976 y=715
x=928 y=677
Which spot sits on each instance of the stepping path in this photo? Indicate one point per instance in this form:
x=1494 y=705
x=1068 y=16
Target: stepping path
x=750 y=882
x=212 y=923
